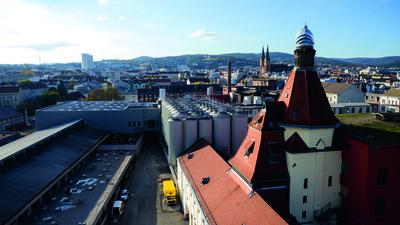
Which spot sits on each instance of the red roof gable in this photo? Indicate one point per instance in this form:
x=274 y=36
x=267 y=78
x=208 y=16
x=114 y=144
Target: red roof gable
x=305 y=100
x=225 y=196
x=261 y=156
x=296 y=144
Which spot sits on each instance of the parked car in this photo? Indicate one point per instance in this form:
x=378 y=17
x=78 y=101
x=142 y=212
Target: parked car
x=124 y=194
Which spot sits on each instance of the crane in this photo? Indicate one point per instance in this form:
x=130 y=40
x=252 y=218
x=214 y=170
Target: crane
x=142 y=65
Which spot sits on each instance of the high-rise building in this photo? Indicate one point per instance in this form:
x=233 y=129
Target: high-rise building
x=87 y=61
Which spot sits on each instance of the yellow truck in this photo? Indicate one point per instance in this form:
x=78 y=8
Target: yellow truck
x=169 y=192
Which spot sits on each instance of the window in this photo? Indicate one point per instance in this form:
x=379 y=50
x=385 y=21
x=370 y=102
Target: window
x=134 y=123
x=353 y=110
x=129 y=123
x=304 y=214
x=330 y=181
x=294 y=114
x=381 y=177
x=379 y=206
x=145 y=123
x=249 y=148
x=360 y=110
x=347 y=110
x=345 y=168
x=367 y=110
x=286 y=95
x=305 y=199
x=138 y=123
x=305 y=183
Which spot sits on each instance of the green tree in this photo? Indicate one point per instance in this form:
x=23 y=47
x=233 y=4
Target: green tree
x=62 y=90
x=71 y=84
x=50 y=98
x=99 y=94
x=29 y=108
x=25 y=81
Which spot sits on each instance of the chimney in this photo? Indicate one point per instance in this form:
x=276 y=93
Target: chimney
x=229 y=77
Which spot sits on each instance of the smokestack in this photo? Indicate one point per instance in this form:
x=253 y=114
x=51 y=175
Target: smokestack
x=229 y=77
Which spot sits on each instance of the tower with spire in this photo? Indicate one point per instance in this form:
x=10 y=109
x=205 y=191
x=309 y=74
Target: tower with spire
x=288 y=156
x=265 y=62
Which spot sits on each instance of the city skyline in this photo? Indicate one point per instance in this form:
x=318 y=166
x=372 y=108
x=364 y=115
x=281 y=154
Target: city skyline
x=50 y=32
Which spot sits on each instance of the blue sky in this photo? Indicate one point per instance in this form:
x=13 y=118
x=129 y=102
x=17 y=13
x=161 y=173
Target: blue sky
x=60 y=30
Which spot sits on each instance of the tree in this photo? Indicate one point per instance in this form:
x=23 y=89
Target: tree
x=50 y=98
x=99 y=94
x=26 y=81
x=62 y=90
x=29 y=108
x=71 y=84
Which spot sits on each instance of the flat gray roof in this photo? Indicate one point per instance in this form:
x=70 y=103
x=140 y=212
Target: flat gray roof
x=97 y=106
x=350 y=104
x=16 y=146
x=25 y=180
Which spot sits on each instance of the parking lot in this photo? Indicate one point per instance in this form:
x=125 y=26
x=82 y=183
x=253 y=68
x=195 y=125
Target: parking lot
x=146 y=204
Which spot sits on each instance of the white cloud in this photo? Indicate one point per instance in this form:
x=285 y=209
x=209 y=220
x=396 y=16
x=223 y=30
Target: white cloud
x=103 y=1
x=207 y=36
x=152 y=26
x=102 y=18
x=122 y=18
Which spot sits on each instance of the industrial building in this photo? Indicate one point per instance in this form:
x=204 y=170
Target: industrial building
x=186 y=120
x=114 y=116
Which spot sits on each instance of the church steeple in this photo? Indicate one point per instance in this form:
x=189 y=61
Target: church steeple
x=267 y=57
x=262 y=54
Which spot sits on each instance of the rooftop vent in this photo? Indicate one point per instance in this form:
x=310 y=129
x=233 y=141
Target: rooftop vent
x=190 y=156
x=205 y=180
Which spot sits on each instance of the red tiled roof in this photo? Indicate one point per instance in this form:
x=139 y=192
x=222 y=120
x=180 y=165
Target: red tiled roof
x=225 y=198
x=268 y=118
x=305 y=101
x=267 y=139
x=296 y=144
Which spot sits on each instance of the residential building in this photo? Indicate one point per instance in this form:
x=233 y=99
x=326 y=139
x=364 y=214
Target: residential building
x=87 y=61
x=10 y=96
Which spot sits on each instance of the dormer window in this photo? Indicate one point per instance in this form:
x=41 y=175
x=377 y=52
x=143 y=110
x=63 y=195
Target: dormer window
x=286 y=95
x=205 y=180
x=294 y=115
x=249 y=148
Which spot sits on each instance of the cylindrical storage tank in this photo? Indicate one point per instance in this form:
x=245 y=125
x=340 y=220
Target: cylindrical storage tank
x=205 y=129
x=210 y=90
x=239 y=130
x=174 y=140
x=189 y=132
x=221 y=131
x=162 y=94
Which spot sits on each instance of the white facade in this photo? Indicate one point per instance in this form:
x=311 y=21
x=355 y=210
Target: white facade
x=191 y=206
x=314 y=138
x=314 y=183
x=87 y=61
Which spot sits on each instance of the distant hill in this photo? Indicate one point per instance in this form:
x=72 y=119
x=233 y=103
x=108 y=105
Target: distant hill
x=250 y=59
x=372 y=61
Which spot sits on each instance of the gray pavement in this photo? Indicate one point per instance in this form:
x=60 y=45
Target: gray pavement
x=146 y=205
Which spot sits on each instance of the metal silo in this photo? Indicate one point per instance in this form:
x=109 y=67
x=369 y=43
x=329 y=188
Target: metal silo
x=174 y=139
x=189 y=132
x=221 y=131
x=239 y=129
x=205 y=129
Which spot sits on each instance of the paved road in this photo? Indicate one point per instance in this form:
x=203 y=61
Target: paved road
x=145 y=205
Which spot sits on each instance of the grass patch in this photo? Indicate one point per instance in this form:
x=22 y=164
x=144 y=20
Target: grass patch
x=367 y=129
